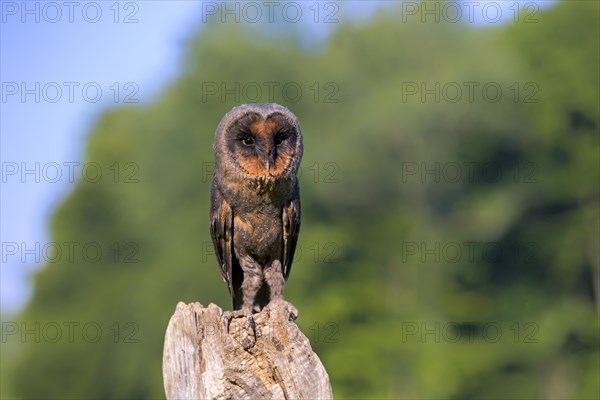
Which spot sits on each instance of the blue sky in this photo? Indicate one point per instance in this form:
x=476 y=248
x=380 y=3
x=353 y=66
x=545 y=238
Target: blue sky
x=62 y=64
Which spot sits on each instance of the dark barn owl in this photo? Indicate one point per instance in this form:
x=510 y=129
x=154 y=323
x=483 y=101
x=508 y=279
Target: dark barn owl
x=255 y=203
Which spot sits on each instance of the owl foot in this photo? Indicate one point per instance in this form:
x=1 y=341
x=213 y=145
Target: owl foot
x=229 y=315
x=291 y=311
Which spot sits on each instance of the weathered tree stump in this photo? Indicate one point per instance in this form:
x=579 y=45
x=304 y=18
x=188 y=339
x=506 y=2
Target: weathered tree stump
x=201 y=360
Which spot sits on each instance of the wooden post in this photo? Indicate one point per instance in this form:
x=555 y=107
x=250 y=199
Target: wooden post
x=201 y=360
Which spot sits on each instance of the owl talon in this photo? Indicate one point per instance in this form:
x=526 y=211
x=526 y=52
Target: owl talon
x=293 y=313
x=227 y=320
x=252 y=324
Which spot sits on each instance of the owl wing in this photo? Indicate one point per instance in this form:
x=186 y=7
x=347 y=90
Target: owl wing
x=291 y=228
x=221 y=231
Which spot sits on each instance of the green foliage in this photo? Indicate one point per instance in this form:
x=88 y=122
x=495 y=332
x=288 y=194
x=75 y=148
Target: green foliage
x=360 y=288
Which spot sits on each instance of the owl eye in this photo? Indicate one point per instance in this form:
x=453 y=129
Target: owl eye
x=280 y=137
x=248 y=141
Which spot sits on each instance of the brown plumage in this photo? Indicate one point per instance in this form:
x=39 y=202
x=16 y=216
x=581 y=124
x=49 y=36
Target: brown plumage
x=255 y=203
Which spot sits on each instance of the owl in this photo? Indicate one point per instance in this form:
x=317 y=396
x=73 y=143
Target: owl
x=255 y=203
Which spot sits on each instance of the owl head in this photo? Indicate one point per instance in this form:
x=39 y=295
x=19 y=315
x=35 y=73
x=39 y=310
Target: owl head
x=262 y=140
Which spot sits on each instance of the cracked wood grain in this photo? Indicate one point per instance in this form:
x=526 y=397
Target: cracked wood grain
x=201 y=360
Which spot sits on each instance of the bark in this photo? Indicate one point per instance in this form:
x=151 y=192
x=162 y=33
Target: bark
x=201 y=360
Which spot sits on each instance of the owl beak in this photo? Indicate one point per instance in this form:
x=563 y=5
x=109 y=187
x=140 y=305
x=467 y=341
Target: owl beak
x=269 y=162
x=269 y=158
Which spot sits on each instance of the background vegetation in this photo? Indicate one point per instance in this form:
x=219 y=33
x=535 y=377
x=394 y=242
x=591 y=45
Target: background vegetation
x=475 y=281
